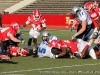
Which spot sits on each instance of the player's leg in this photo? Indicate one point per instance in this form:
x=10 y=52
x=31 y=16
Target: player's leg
x=82 y=48
x=2 y=54
x=92 y=53
x=30 y=39
x=36 y=34
x=97 y=50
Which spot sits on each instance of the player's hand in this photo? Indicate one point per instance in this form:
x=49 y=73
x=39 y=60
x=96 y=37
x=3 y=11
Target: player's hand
x=71 y=28
x=54 y=56
x=22 y=41
x=74 y=36
x=95 y=35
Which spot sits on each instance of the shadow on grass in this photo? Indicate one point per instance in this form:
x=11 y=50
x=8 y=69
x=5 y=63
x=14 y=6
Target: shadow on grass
x=8 y=62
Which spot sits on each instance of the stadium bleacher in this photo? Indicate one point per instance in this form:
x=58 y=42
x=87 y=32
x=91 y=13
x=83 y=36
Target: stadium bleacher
x=52 y=6
x=7 y=3
x=45 y=6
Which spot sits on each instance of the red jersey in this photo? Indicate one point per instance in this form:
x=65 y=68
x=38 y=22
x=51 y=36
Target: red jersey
x=97 y=10
x=14 y=51
x=73 y=46
x=5 y=32
x=57 y=44
x=64 y=43
x=94 y=15
x=37 y=25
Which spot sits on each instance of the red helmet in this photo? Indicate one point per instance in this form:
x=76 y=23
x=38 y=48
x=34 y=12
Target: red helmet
x=95 y=4
x=88 y=6
x=14 y=51
x=36 y=14
x=15 y=26
x=24 y=52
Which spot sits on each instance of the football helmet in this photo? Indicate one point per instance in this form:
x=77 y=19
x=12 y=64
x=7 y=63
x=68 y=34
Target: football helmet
x=23 y=52
x=88 y=6
x=36 y=14
x=14 y=25
x=95 y=4
x=14 y=51
x=46 y=35
x=52 y=38
x=75 y=10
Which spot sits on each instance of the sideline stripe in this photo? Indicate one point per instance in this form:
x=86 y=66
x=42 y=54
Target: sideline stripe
x=49 y=68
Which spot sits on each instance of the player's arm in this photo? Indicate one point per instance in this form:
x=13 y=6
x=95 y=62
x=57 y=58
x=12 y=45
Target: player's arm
x=73 y=26
x=83 y=27
x=74 y=23
x=14 y=39
x=43 y=28
x=24 y=25
x=43 y=25
x=63 y=52
x=98 y=22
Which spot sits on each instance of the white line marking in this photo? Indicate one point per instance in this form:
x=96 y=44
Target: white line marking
x=49 y=68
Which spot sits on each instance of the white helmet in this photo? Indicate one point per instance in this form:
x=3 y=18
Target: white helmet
x=46 y=34
x=75 y=9
x=52 y=38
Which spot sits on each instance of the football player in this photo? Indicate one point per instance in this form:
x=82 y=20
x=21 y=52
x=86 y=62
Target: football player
x=4 y=57
x=38 y=23
x=85 y=22
x=8 y=33
x=75 y=48
x=95 y=19
x=16 y=51
x=96 y=6
x=44 y=50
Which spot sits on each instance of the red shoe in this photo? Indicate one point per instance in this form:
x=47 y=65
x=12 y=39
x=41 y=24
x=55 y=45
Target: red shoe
x=4 y=57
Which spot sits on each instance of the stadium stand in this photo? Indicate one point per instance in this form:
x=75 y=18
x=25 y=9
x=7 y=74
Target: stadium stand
x=45 y=6
x=51 y=6
x=7 y=3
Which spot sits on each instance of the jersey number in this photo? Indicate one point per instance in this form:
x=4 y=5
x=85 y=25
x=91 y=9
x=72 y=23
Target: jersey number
x=42 y=50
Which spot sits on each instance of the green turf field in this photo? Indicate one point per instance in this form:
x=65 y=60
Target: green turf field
x=46 y=66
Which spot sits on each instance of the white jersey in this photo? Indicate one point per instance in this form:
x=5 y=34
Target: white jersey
x=82 y=44
x=44 y=50
x=83 y=15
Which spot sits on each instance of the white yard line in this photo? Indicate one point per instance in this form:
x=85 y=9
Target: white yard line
x=39 y=69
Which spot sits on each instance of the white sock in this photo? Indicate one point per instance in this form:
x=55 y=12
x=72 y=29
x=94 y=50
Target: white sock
x=92 y=54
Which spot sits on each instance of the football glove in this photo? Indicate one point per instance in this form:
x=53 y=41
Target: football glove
x=95 y=35
x=74 y=36
x=22 y=41
x=54 y=56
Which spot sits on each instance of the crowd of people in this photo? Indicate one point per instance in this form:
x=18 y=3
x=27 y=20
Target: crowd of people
x=79 y=46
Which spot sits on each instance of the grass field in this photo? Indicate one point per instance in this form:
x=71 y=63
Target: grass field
x=46 y=66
